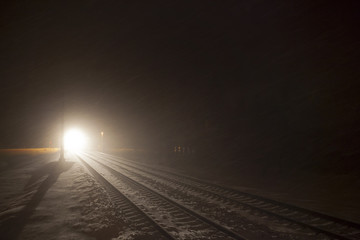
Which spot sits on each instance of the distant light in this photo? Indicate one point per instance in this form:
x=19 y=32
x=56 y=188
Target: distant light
x=74 y=140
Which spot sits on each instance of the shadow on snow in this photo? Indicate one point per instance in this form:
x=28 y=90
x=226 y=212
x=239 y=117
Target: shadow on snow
x=40 y=182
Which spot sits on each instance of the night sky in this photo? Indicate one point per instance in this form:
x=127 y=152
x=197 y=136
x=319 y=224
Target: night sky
x=239 y=75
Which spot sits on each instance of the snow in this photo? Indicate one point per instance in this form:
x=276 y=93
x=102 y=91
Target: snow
x=43 y=199
x=333 y=194
x=73 y=206
x=196 y=202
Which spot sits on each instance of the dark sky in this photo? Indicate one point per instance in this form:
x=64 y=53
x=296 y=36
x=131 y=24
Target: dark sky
x=157 y=70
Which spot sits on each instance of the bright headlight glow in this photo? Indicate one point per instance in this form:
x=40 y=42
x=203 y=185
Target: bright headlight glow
x=74 y=140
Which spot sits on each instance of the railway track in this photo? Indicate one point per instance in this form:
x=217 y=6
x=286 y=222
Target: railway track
x=320 y=224
x=171 y=219
x=140 y=220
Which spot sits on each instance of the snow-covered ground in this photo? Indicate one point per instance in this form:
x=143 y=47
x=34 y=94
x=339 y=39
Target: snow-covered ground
x=48 y=200
x=333 y=194
x=43 y=199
